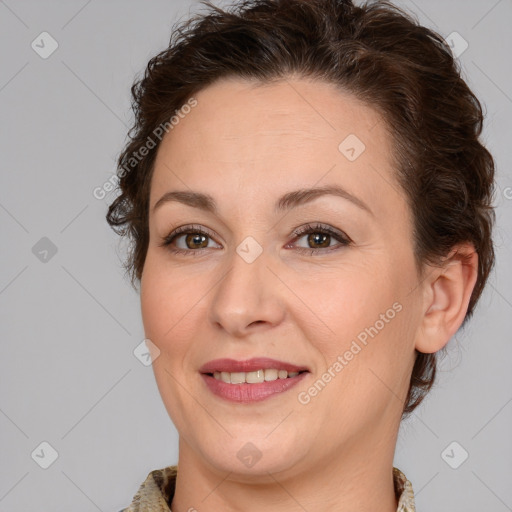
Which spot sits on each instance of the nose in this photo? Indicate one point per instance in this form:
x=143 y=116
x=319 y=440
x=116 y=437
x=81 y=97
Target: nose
x=247 y=298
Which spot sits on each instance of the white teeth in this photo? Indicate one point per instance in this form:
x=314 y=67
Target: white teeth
x=255 y=377
x=271 y=374
x=237 y=377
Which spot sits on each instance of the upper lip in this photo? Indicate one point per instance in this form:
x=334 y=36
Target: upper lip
x=248 y=365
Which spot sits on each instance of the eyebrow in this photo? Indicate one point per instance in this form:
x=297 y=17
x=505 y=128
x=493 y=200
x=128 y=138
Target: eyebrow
x=286 y=202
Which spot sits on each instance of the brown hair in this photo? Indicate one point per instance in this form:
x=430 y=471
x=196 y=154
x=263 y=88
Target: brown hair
x=376 y=52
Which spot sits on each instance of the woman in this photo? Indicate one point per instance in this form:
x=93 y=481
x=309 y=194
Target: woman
x=310 y=211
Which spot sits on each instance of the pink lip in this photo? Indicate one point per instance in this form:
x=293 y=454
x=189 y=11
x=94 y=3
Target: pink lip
x=249 y=365
x=247 y=393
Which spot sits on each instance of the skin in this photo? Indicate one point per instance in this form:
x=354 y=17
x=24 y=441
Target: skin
x=246 y=145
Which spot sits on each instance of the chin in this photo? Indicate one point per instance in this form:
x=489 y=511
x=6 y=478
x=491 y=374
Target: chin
x=253 y=456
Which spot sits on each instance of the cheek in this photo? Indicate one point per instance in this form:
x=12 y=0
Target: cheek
x=153 y=303
x=343 y=303
x=162 y=300
x=363 y=316
x=167 y=313
x=172 y=304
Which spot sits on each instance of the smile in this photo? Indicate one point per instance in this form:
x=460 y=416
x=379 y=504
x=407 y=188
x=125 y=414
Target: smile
x=258 y=376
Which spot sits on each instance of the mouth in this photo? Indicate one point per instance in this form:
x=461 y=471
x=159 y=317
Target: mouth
x=255 y=377
x=250 y=380
x=264 y=367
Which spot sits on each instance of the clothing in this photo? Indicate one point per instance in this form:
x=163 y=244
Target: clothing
x=157 y=491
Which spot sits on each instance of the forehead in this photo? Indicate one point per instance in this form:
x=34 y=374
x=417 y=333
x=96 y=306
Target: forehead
x=294 y=133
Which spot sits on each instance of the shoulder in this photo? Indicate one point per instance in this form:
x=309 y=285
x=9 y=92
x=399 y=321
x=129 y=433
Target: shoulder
x=403 y=492
x=156 y=492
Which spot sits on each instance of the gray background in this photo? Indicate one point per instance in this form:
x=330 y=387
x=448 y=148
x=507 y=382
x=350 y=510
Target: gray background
x=70 y=321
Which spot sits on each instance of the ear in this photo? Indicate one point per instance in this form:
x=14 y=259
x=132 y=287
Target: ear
x=447 y=291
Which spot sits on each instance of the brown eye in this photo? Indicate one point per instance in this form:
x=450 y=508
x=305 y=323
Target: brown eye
x=188 y=240
x=319 y=239
x=196 y=241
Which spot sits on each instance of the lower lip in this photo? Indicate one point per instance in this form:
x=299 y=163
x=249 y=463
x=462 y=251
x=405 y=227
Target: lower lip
x=248 y=393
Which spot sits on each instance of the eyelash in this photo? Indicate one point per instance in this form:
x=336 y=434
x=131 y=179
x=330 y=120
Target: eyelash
x=299 y=233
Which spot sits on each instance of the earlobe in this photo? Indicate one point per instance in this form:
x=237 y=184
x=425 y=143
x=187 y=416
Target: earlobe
x=447 y=294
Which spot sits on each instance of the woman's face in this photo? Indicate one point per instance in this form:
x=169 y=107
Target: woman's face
x=248 y=285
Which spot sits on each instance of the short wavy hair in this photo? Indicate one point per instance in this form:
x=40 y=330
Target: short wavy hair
x=376 y=52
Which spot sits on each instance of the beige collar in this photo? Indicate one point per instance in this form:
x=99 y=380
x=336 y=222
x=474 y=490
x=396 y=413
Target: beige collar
x=156 y=492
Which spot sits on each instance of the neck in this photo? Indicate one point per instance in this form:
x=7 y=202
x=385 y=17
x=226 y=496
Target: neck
x=359 y=478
